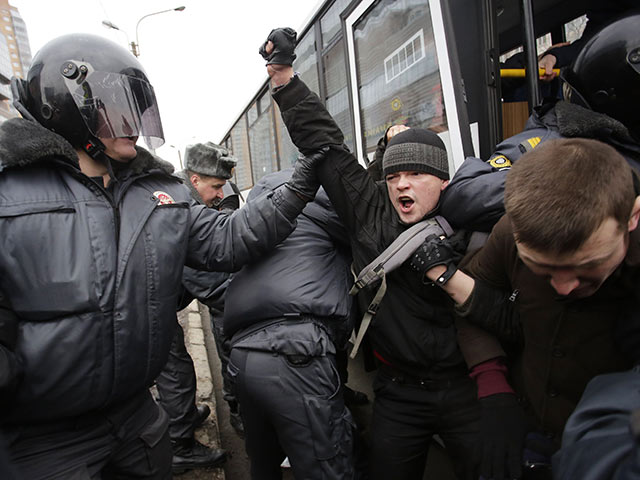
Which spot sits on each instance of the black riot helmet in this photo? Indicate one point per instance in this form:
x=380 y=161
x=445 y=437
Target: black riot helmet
x=84 y=87
x=605 y=75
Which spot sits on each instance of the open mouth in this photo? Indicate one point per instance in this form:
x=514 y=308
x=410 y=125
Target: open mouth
x=405 y=203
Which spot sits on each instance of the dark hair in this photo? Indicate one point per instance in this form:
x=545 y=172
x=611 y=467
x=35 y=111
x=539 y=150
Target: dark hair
x=558 y=194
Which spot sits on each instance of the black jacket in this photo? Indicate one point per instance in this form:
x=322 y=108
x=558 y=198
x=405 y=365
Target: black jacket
x=92 y=277
x=413 y=329
x=207 y=287
x=601 y=440
x=307 y=274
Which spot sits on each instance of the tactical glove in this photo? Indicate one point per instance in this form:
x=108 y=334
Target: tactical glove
x=435 y=250
x=304 y=180
x=284 y=43
x=229 y=203
x=498 y=454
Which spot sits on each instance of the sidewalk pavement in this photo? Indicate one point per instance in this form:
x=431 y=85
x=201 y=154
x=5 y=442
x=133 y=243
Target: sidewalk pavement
x=208 y=433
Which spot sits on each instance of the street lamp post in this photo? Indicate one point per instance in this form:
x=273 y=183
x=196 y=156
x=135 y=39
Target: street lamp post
x=179 y=155
x=135 y=46
x=113 y=26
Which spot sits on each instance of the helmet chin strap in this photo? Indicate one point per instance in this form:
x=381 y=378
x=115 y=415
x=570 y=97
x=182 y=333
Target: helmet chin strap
x=95 y=149
x=574 y=92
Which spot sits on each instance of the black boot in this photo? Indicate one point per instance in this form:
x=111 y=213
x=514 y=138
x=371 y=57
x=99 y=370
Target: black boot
x=203 y=412
x=189 y=453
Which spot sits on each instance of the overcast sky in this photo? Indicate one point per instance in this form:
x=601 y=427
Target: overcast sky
x=202 y=62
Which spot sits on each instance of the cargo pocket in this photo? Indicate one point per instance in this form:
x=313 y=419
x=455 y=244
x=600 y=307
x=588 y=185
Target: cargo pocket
x=332 y=433
x=330 y=421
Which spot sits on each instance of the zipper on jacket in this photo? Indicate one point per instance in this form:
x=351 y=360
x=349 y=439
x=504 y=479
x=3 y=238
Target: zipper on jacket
x=90 y=183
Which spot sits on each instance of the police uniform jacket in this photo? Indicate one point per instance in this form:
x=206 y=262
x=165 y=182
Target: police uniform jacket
x=307 y=275
x=93 y=275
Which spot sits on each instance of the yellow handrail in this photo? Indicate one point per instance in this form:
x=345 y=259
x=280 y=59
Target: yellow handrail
x=520 y=72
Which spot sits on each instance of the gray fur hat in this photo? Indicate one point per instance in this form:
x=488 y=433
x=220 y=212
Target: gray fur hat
x=209 y=159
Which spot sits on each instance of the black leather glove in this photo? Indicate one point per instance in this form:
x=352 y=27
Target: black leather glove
x=284 y=43
x=435 y=250
x=229 y=203
x=304 y=180
x=498 y=454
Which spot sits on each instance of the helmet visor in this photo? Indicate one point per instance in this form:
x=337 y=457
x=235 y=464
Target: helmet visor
x=115 y=105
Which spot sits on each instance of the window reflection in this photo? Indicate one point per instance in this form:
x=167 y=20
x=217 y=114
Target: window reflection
x=337 y=100
x=398 y=76
x=288 y=151
x=261 y=138
x=330 y=24
x=306 y=60
x=240 y=149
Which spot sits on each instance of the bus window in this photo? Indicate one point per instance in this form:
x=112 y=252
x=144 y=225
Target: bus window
x=398 y=76
x=240 y=144
x=264 y=158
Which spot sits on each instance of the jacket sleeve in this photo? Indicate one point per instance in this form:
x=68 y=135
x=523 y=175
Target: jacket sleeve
x=494 y=311
x=491 y=305
x=326 y=218
x=352 y=191
x=473 y=200
x=598 y=442
x=208 y=287
x=223 y=242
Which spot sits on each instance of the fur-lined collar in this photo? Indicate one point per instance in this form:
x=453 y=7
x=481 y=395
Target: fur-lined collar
x=23 y=142
x=146 y=162
x=576 y=121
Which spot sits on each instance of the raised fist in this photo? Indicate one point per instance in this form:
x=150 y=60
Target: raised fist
x=279 y=46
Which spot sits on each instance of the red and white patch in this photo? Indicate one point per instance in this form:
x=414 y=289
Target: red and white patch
x=163 y=198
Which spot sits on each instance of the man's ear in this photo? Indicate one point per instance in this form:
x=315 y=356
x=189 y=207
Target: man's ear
x=194 y=180
x=444 y=184
x=635 y=215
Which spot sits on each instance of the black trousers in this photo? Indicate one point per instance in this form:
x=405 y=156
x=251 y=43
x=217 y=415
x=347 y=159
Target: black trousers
x=176 y=386
x=223 y=346
x=291 y=405
x=127 y=441
x=406 y=416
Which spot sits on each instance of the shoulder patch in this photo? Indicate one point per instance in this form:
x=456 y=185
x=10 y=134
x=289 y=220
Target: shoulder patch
x=534 y=141
x=163 y=198
x=500 y=162
x=529 y=144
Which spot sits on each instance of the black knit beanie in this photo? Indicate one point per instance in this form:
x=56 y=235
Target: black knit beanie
x=416 y=150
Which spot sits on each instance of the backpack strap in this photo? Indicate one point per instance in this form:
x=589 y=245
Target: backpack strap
x=391 y=258
x=372 y=309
